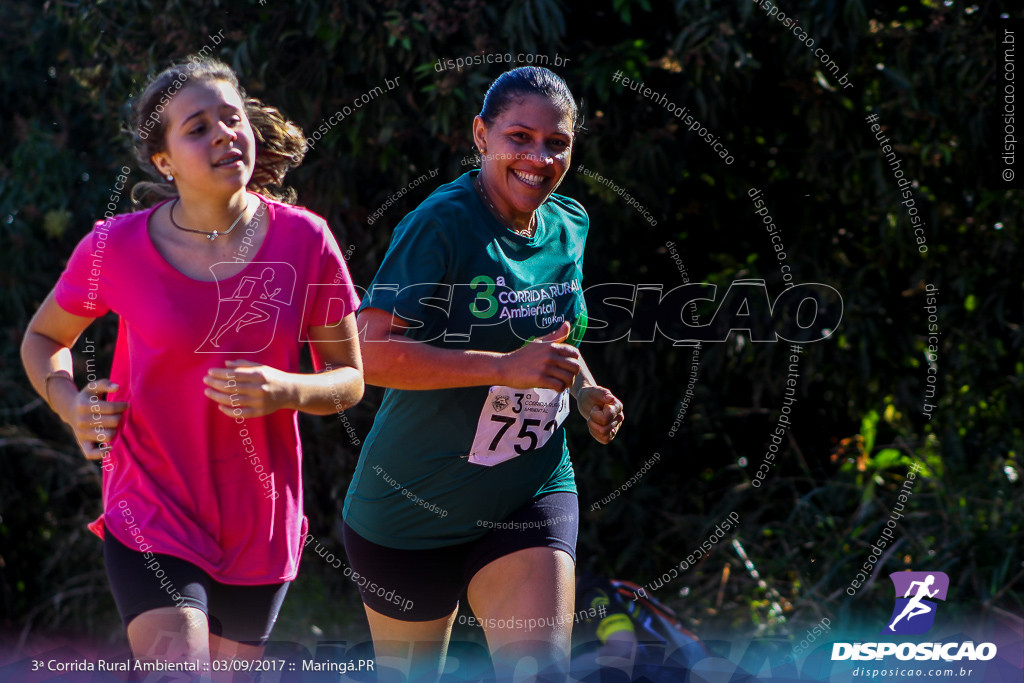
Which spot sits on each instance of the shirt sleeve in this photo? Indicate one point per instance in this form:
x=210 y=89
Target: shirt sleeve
x=578 y=224
x=416 y=262
x=334 y=294
x=82 y=287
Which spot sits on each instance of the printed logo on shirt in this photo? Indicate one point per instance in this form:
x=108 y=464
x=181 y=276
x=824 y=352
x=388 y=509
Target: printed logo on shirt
x=493 y=296
x=249 y=307
x=532 y=311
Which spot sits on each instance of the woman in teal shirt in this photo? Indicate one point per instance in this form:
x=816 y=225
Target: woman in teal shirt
x=465 y=481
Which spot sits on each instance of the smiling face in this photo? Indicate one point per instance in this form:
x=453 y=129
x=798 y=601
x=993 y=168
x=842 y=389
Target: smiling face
x=527 y=151
x=209 y=145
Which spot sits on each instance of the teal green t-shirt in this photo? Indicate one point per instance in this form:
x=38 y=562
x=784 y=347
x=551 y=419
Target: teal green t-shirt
x=465 y=281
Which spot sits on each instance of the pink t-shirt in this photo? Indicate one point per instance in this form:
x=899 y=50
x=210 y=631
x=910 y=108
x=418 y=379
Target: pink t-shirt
x=183 y=478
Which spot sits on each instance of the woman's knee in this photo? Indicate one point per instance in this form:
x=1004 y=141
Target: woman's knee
x=549 y=659
x=148 y=633
x=225 y=648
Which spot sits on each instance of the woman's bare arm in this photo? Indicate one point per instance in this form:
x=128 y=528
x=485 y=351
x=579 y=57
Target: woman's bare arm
x=400 y=363
x=46 y=349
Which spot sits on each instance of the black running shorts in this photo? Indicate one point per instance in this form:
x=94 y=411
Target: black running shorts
x=242 y=613
x=423 y=585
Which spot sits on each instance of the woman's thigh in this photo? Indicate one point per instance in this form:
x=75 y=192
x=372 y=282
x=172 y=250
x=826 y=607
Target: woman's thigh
x=163 y=602
x=537 y=540
x=523 y=585
x=411 y=598
x=406 y=585
x=531 y=594
x=172 y=608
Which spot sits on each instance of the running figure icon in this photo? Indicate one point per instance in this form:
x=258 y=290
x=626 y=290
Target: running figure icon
x=926 y=588
x=250 y=310
x=914 y=607
x=250 y=307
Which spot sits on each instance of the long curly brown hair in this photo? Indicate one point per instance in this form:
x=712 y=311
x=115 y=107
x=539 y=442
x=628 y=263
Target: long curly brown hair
x=280 y=144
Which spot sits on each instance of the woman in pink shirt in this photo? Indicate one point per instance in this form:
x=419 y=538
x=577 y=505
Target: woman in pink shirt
x=217 y=288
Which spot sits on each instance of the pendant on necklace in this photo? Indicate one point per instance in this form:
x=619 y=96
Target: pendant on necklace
x=213 y=236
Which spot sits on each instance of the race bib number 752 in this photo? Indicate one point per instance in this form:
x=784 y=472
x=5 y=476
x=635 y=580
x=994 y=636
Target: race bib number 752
x=516 y=421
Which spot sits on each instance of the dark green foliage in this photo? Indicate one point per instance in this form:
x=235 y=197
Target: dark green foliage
x=927 y=70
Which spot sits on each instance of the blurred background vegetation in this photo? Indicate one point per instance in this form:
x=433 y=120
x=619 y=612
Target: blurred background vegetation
x=927 y=68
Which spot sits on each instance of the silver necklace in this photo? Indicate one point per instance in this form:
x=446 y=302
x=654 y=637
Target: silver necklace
x=525 y=232
x=209 y=235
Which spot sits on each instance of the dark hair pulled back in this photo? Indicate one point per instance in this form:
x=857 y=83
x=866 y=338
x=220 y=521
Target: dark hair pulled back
x=529 y=80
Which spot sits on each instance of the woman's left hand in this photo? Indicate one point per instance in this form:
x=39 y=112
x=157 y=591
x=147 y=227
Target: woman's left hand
x=257 y=389
x=603 y=411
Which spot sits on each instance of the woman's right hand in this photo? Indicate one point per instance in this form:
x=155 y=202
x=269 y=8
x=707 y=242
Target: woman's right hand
x=91 y=418
x=543 y=363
